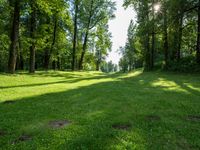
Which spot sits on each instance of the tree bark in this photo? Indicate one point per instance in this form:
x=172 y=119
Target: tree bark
x=32 y=35
x=98 y=62
x=49 y=50
x=54 y=41
x=148 y=55
x=20 y=59
x=86 y=37
x=14 y=38
x=20 y=62
x=153 y=39
x=97 y=66
x=198 y=37
x=54 y=65
x=147 y=47
x=75 y=36
x=165 y=37
x=180 y=33
x=58 y=63
x=83 y=50
x=46 y=58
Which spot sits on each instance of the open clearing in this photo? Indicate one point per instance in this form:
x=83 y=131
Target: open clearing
x=92 y=110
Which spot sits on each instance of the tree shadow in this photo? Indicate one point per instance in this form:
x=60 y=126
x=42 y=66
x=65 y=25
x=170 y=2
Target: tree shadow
x=95 y=108
x=70 y=78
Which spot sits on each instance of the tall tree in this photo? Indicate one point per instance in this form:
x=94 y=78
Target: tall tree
x=94 y=12
x=198 y=36
x=152 y=54
x=76 y=8
x=102 y=44
x=165 y=35
x=32 y=35
x=14 y=37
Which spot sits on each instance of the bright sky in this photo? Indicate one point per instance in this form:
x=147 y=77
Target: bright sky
x=118 y=27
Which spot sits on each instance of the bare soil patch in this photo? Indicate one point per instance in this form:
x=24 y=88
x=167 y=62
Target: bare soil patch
x=59 y=123
x=195 y=118
x=153 y=118
x=9 y=102
x=22 y=138
x=122 y=126
x=2 y=133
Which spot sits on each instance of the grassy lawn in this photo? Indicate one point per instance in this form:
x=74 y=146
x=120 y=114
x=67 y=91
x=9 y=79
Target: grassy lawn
x=138 y=111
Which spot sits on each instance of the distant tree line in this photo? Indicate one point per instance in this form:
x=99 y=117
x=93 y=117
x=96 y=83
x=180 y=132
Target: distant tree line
x=54 y=34
x=166 y=35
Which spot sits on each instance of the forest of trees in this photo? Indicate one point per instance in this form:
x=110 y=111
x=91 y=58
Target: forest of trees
x=54 y=34
x=166 y=36
x=74 y=35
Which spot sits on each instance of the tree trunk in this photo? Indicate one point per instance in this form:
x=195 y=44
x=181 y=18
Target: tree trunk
x=20 y=59
x=153 y=39
x=20 y=62
x=47 y=49
x=98 y=60
x=84 y=50
x=58 y=63
x=180 y=33
x=148 y=55
x=152 y=49
x=147 y=47
x=165 y=38
x=46 y=58
x=86 y=37
x=53 y=42
x=54 y=65
x=14 y=38
x=98 y=66
x=75 y=36
x=32 y=35
x=198 y=37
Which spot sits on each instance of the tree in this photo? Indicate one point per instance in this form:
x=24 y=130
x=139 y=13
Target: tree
x=169 y=34
x=103 y=44
x=165 y=34
x=32 y=35
x=198 y=35
x=14 y=37
x=94 y=12
x=76 y=8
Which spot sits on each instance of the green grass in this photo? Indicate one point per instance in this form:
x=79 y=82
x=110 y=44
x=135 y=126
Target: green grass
x=93 y=102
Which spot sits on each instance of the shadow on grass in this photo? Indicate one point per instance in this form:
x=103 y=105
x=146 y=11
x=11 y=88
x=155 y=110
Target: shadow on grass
x=70 y=78
x=95 y=108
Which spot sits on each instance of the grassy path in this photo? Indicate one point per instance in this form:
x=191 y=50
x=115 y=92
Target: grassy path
x=139 y=111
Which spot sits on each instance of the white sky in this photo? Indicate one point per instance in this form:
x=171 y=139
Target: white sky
x=118 y=27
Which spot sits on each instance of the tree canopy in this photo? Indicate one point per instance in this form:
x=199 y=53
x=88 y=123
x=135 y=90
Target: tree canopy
x=56 y=34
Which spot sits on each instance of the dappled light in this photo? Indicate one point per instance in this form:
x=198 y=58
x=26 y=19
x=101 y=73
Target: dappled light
x=99 y=75
x=168 y=85
x=118 y=110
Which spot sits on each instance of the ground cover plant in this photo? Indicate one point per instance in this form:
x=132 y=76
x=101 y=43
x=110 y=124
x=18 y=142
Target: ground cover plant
x=92 y=110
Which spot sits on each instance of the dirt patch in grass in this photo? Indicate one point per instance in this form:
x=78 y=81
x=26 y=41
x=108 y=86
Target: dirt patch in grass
x=2 y=133
x=9 y=102
x=195 y=118
x=153 y=118
x=122 y=126
x=59 y=123
x=183 y=144
x=22 y=138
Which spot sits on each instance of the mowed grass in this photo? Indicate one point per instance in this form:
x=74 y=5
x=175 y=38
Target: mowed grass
x=135 y=111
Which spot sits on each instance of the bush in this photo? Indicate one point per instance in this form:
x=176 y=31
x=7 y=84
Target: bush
x=186 y=64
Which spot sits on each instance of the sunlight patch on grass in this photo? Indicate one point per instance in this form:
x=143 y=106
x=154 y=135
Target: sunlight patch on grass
x=168 y=85
x=132 y=74
x=190 y=86
x=138 y=110
x=26 y=85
